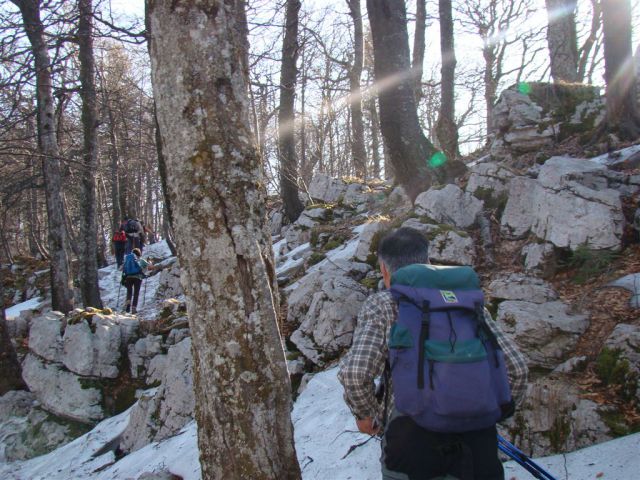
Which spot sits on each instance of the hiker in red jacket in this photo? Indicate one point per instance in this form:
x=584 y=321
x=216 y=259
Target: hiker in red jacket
x=119 y=243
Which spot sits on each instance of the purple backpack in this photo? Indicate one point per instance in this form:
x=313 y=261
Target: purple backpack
x=457 y=381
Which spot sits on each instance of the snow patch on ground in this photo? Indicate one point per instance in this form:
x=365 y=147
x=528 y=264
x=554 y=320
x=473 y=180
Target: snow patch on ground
x=324 y=434
x=13 y=312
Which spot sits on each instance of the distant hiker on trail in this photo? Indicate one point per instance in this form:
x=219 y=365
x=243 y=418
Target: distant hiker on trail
x=133 y=273
x=135 y=234
x=440 y=403
x=119 y=243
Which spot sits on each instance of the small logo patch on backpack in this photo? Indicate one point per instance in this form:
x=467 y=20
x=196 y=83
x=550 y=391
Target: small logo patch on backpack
x=448 y=296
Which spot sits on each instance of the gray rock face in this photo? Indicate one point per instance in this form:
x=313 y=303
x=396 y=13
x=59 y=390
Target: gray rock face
x=492 y=178
x=452 y=248
x=326 y=189
x=162 y=412
x=366 y=237
x=539 y=258
x=27 y=431
x=300 y=232
x=545 y=332
x=169 y=282
x=521 y=287
x=45 y=336
x=276 y=220
x=61 y=392
x=555 y=419
x=357 y=194
x=93 y=353
x=449 y=205
x=568 y=205
x=141 y=353
x=326 y=303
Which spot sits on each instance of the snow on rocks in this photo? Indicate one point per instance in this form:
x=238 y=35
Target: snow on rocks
x=449 y=205
x=545 y=332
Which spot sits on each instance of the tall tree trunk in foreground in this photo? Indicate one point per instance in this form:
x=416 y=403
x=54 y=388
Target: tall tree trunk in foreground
x=358 y=149
x=10 y=371
x=446 y=128
x=286 y=115
x=415 y=160
x=214 y=175
x=61 y=290
x=619 y=69
x=88 y=230
x=561 y=37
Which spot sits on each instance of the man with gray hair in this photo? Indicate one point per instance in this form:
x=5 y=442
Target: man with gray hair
x=410 y=451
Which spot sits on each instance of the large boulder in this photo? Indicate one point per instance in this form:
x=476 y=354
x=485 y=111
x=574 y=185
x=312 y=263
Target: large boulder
x=163 y=411
x=449 y=205
x=516 y=286
x=625 y=339
x=45 y=336
x=489 y=180
x=570 y=204
x=325 y=304
x=539 y=259
x=324 y=188
x=446 y=244
x=62 y=392
x=363 y=250
x=545 y=332
x=92 y=347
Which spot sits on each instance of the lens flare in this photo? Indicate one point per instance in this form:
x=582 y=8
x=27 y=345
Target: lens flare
x=437 y=160
x=524 y=88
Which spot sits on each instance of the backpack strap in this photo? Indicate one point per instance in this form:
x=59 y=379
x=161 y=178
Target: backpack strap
x=487 y=332
x=424 y=336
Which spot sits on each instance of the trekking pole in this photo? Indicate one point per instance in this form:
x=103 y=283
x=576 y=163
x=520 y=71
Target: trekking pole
x=523 y=460
x=144 y=293
x=118 y=299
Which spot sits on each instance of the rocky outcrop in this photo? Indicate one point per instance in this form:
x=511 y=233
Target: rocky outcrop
x=545 y=332
x=449 y=205
x=555 y=418
x=566 y=188
x=326 y=189
x=163 y=411
x=169 y=282
x=325 y=304
x=516 y=286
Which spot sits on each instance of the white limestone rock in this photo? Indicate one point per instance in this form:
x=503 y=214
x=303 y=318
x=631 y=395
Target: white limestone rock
x=489 y=177
x=62 y=392
x=516 y=286
x=93 y=350
x=45 y=336
x=326 y=189
x=545 y=332
x=449 y=205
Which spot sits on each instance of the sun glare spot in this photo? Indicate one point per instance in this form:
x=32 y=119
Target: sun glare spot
x=437 y=160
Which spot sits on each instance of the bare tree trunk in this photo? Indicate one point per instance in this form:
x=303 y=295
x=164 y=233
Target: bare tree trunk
x=490 y=86
x=415 y=160
x=418 y=47
x=375 y=136
x=446 y=128
x=358 y=150
x=214 y=175
x=10 y=371
x=561 y=37
x=61 y=291
x=286 y=115
x=619 y=71
x=88 y=229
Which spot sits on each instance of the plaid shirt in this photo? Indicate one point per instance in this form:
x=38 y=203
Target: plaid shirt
x=366 y=358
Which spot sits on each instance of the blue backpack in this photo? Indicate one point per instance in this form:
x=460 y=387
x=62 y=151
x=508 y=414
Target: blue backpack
x=131 y=266
x=448 y=370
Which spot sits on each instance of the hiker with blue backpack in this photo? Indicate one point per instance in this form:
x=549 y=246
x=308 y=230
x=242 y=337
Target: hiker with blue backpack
x=133 y=273
x=441 y=402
